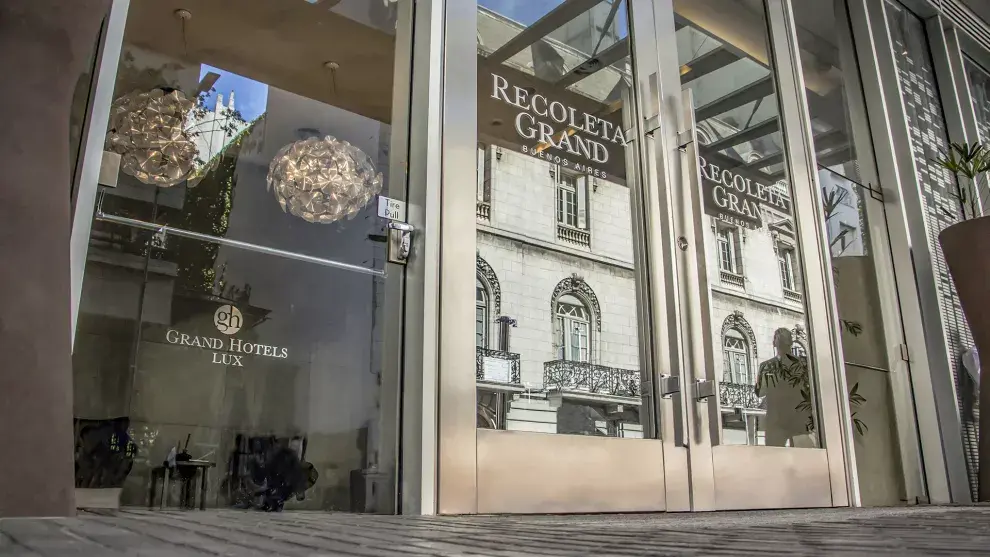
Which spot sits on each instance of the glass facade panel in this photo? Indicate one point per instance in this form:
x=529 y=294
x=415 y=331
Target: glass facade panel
x=230 y=337
x=241 y=375
x=79 y=112
x=228 y=354
x=979 y=89
x=851 y=203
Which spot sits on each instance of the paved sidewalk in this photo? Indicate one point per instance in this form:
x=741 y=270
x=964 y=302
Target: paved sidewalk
x=900 y=531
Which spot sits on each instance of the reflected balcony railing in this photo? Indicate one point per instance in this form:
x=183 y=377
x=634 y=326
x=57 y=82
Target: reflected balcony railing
x=728 y=277
x=573 y=235
x=497 y=366
x=740 y=395
x=584 y=377
x=484 y=210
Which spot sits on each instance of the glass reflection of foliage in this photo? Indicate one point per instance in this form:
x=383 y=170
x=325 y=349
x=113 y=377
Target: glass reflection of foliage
x=830 y=204
x=207 y=210
x=795 y=371
x=131 y=77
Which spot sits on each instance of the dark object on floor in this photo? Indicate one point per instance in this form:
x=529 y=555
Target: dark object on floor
x=265 y=472
x=104 y=453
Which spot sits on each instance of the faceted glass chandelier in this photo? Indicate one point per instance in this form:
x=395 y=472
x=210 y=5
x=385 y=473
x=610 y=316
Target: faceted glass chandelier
x=323 y=180
x=148 y=131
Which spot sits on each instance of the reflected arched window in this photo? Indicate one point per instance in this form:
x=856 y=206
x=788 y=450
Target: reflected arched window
x=480 y=314
x=798 y=350
x=735 y=354
x=572 y=324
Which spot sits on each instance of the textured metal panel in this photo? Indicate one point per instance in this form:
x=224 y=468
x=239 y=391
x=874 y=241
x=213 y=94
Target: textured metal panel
x=539 y=473
x=966 y=20
x=928 y=136
x=770 y=477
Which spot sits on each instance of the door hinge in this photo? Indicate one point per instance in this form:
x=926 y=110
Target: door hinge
x=905 y=354
x=704 y=389
x=669 y=385
x=652 y=124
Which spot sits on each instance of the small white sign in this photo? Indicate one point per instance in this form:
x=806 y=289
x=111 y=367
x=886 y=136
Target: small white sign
x=109 y=169
x=496 y=369
x=391 y=209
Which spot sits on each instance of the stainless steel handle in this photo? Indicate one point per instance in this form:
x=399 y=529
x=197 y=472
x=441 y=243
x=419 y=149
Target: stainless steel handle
x=399 y=242
x=162 y=230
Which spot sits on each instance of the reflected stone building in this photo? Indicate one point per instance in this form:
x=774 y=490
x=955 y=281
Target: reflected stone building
x=556 y=321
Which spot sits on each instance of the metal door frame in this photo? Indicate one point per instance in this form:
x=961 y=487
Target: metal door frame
x=490 y=471
x=727 y=476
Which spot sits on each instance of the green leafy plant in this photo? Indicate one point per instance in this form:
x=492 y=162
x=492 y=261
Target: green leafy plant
x=831 y=201
x=857 y=400
x=830 y=204
x=795 y=372
x=970 y=162
x=852 y=327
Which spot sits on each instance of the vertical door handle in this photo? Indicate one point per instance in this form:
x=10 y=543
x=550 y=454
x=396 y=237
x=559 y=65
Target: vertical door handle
x=399 y=242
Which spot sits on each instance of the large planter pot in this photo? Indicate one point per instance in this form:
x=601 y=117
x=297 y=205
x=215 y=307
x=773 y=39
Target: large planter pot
x=966 y=246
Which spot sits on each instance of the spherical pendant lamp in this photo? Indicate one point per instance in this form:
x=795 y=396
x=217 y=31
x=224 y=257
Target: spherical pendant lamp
x=148 y=130
x=323 y=180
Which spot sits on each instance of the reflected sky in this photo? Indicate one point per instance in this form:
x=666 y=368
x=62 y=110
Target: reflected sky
x=529 y=12
x=250 y=96
x=526 y=12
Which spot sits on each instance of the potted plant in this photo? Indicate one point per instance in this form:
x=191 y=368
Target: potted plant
x=966 y=246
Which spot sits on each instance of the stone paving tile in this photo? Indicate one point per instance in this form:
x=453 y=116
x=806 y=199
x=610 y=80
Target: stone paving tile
x=874 y=532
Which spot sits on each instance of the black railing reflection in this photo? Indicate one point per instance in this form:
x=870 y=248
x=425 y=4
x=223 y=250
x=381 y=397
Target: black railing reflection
x=740 y=395
x=502 y=367
x=592 y=378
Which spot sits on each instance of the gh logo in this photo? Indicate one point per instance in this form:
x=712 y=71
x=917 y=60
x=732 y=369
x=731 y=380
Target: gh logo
x=228 y=319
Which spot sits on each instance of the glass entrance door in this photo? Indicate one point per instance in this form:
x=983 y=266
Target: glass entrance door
x=650 y=323
x=566 y=409
x=759 y=333
x=231 y=348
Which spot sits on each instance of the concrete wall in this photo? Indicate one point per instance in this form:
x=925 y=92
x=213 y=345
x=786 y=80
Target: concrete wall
x=45 y=45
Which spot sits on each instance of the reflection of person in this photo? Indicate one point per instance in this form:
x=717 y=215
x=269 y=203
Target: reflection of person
x=781 y=380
